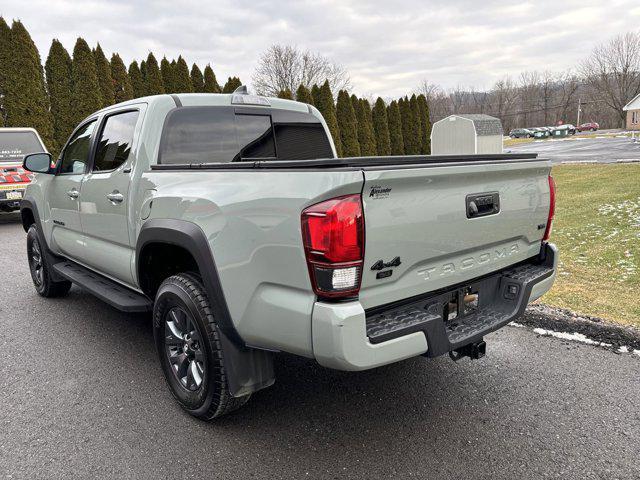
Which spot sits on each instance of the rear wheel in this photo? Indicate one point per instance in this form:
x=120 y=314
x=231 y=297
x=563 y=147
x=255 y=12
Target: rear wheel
x=41 y=270
x=188 y=345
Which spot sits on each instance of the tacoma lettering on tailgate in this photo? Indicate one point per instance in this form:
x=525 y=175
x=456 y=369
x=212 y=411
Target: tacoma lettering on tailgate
x=450 y=268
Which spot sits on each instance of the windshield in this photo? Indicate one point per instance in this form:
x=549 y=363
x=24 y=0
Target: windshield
x=15 y=145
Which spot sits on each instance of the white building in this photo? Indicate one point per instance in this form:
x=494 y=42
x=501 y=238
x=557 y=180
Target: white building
x=464 y=134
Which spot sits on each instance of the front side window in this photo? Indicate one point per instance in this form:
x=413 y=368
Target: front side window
x=75 y=155
x=115 y=141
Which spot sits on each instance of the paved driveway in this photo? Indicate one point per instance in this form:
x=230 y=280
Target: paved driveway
x=601 y=150
x=83 y=397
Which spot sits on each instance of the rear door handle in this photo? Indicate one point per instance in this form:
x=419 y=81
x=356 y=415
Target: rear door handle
x=115 y=197
x=73 y=193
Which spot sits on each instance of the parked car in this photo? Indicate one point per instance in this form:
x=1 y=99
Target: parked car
x=15 y=143
x=570 y=127
x=230 y=218
x=589 y=126
x=520 y=133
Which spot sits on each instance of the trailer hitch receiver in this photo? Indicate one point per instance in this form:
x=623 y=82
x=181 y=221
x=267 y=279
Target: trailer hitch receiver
x=474 y=351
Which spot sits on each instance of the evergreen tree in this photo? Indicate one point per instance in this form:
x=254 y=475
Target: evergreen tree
x=210 y=82
x=416 y=124
x=323 y=101
x=182 y=77
x=153 y=76
x=304 y=95
x=366 y=137
x=395 y=129
x=286 y=94
x=26 y=103
x=168 y=76
x=197 y=80
x=122 y=89
x=315 y=95
x=381 y=128
x=136 y=80
x=103 y=71
x=143 y=74
x=423 y=108
x=410 y=134
x=85 y=89
x=5 y=56
x=347 y=125
x=231 y=85
x=59 y=86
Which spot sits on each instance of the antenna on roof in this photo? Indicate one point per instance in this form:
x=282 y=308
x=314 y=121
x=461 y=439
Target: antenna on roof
x=241 y=90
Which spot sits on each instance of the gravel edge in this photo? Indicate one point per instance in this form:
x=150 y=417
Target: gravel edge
x=598 y=329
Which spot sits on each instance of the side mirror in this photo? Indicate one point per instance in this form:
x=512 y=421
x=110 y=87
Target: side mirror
x=37 y=162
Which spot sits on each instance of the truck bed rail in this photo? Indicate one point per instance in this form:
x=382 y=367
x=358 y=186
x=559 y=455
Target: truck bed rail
x=355 y=162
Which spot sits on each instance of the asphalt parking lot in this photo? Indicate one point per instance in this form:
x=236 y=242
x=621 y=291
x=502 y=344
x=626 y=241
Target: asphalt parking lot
x=83 y=397
x=580 y=149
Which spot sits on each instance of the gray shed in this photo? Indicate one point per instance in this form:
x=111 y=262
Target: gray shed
x=465 y=134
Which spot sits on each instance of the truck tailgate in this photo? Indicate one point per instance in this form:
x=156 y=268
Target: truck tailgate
x=421 y=215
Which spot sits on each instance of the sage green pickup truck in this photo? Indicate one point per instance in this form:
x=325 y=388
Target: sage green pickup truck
x=231 y=219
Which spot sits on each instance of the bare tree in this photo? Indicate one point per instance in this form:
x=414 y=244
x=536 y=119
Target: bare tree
x=613 y=72
x=438 y=101
x=283 y=67
x=529 y=96
x=503 y=99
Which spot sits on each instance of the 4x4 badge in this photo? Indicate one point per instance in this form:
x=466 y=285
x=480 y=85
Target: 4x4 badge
x=380 y=264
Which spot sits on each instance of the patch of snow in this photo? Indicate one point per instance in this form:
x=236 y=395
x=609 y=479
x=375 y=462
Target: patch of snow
x=575 y=337
x=623 y=349
x=636 y=352
x=516 y=324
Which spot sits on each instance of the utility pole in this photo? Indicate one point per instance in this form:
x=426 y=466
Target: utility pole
x=579 y=110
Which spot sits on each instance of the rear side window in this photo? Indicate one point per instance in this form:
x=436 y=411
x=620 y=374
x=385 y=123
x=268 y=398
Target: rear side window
x=15 y=145
x=195 y=135
x=115 y=141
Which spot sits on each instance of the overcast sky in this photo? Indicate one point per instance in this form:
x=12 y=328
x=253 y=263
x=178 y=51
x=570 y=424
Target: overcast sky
x=389 y=46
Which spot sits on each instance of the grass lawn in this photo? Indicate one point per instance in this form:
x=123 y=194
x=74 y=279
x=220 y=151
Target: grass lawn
x=597 y=229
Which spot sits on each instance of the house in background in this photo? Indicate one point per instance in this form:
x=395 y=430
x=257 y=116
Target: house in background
x=633 y=113
x=466 y=134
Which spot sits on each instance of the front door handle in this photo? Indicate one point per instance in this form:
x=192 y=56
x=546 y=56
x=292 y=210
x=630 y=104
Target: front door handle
x=73 y=193
x=115 y=197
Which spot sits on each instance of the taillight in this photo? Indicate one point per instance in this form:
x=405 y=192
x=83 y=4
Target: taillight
x=333 y=238
x=552 y=208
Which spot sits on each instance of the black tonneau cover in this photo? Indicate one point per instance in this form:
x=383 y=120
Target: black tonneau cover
x=355 y=162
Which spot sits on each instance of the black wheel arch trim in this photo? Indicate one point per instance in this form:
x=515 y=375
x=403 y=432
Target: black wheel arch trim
x=248 y=369
x=50 y=258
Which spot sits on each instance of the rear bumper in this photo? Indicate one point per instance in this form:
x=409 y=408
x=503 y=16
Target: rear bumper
x=345 y=337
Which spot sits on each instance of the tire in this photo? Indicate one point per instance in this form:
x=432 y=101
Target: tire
x=188 y=344
x=41 y=270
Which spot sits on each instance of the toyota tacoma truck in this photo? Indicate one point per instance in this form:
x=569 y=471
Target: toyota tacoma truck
x=230 y=218
x=15 y=143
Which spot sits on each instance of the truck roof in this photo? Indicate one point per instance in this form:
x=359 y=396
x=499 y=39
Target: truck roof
x=216 y=99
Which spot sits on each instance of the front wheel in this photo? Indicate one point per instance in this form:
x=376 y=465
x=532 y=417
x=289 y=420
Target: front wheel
x=188 y=345
x=40 y=269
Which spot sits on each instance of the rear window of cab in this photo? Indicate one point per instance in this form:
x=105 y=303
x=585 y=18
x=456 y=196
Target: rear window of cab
x=14 y=145
x=193 y=135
